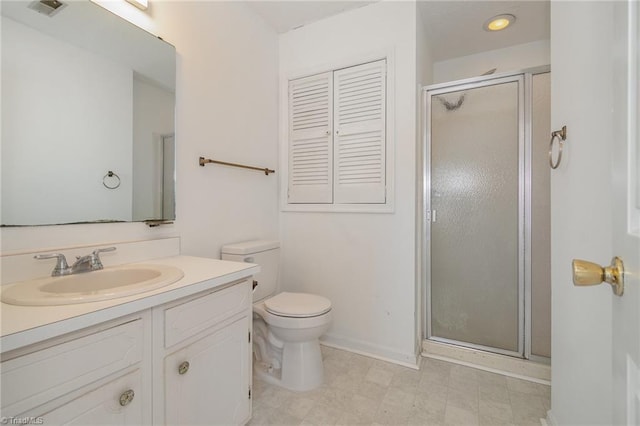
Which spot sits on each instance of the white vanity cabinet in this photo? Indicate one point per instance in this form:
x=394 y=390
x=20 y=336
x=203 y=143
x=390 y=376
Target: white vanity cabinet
x=133 y=370
x=205 y=359
x=95 y=376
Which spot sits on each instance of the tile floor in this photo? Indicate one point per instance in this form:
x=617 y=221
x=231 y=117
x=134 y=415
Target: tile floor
x=359 y=390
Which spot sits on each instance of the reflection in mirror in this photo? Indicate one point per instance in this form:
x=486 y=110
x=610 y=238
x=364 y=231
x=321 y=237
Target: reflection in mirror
x=87 y=117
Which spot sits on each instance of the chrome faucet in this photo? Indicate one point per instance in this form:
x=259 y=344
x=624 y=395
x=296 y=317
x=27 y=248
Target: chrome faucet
x=90 y=262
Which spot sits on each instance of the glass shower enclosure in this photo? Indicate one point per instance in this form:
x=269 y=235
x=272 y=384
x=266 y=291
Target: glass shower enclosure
x=478 y=197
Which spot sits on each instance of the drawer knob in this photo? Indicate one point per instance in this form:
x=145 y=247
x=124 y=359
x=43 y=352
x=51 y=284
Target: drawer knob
x=183 y=368
x=127 y=397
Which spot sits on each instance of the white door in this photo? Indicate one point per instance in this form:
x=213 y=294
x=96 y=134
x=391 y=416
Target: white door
x=595 y=204
x=626 y=213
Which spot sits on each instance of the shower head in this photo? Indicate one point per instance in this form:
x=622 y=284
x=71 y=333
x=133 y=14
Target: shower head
x=47 y=7
x=452 y=106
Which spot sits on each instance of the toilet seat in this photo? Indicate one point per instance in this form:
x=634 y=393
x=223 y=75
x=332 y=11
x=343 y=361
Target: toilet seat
x=297 y=305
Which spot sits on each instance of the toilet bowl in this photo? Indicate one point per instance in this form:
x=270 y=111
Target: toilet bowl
x=293 y=346
x=286 y=326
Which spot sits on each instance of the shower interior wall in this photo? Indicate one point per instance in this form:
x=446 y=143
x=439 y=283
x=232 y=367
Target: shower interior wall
x=513 y=58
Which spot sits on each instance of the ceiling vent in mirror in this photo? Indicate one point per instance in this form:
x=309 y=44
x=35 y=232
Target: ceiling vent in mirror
x=140 y=4
x=47 y=7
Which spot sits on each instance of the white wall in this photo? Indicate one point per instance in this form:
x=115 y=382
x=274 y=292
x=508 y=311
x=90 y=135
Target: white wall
x=425 y=65
x=47 y=85
x=226 y=108
x=581 y=88
x=512 y=58
x=153 y=116
x=364 y=263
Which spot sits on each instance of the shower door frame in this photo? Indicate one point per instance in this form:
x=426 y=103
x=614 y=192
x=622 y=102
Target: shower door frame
x=524 y=80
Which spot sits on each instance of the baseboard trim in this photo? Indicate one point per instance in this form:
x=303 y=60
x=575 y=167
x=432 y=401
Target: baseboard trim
x=502 y=364
x=371 y=351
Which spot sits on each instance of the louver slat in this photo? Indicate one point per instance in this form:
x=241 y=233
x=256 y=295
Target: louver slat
x=310 y=140
x=360 y=138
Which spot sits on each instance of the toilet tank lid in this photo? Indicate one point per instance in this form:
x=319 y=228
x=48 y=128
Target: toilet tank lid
x=249 y=247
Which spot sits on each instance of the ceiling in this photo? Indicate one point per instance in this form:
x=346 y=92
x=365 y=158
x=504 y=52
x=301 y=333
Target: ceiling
x=454 y=28
x=285 y=15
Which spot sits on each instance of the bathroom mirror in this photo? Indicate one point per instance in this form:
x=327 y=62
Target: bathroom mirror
x=88 y=105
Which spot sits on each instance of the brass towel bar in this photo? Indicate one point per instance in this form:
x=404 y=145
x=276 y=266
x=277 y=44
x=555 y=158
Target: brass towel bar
x=204 y=161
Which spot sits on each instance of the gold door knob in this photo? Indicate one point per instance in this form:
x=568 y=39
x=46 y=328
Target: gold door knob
x=589 y=273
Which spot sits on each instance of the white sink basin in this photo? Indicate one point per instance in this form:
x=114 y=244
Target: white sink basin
x=109 y=283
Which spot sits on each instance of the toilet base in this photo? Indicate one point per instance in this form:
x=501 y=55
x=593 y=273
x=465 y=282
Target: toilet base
x=302 y=367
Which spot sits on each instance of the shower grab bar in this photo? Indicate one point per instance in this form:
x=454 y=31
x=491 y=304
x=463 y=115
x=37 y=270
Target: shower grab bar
x=204 y=161
x=561 y=135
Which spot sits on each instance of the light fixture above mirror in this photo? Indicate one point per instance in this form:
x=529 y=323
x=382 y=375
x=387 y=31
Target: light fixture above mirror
x=140 y=4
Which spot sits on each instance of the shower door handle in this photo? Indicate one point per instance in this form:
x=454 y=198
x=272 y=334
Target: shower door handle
x=431 y=215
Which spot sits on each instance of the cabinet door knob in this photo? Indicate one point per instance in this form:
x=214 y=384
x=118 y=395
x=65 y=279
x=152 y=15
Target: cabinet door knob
x=127 y=397
x=183 y=368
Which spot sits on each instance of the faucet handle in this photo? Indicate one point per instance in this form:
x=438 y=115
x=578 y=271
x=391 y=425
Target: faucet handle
x=96 y=255
x=61 y=268
x=102 y=250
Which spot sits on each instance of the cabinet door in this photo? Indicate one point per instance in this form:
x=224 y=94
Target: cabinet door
x=359 y=124
x=310 y=140
x=102 y=405
x=215 y=387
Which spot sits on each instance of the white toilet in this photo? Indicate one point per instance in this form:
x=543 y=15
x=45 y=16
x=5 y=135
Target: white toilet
x=286 y=326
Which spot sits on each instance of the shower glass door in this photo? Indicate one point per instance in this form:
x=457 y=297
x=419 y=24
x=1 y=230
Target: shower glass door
x=475 y=211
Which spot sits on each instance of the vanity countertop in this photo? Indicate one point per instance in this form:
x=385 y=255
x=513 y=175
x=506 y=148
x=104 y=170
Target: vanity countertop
x=24 y=325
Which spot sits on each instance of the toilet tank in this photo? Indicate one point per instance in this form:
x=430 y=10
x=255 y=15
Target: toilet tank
x=265 y=253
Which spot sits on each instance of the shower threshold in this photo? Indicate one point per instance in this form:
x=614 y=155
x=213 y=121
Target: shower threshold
x=538 y=372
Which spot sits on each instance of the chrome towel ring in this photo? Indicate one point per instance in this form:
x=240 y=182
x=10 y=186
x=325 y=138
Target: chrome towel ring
x=561 y=135
x=114 y=180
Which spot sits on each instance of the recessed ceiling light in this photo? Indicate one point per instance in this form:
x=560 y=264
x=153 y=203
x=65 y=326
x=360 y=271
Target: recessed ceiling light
x=499 y=22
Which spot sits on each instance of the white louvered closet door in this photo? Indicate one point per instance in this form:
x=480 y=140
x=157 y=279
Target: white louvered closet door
x=310 y=139
x=360 y=126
